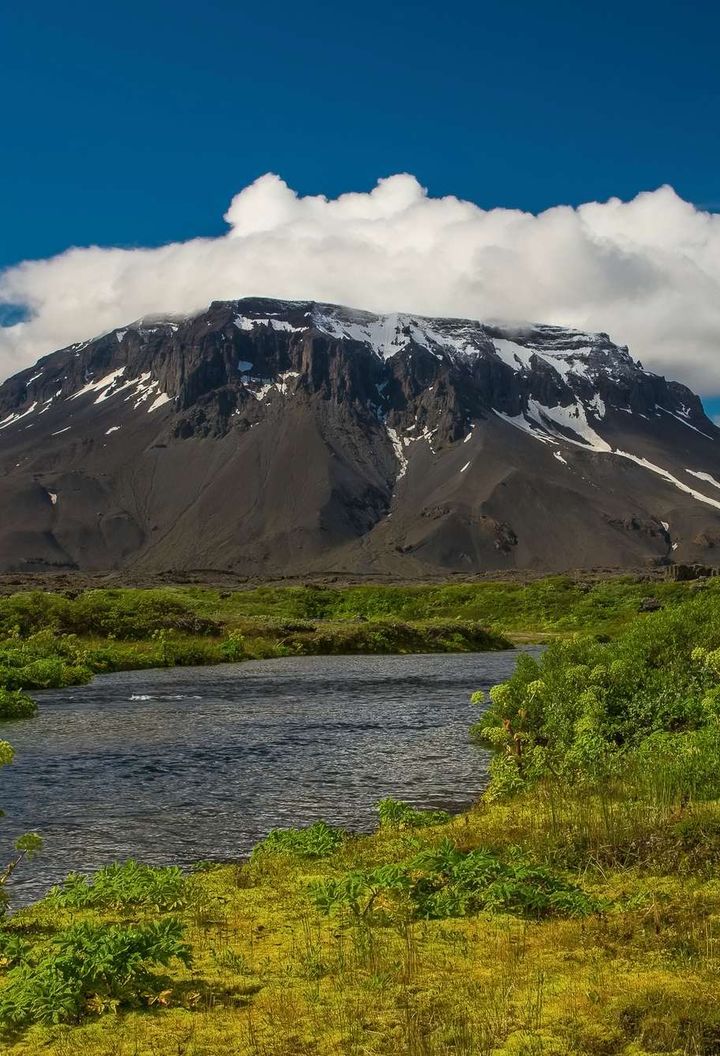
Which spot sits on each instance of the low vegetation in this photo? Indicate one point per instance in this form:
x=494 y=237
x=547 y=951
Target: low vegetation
x=544 y=607
x=50 y=640
x=575 y=911
x=554 y=923
x=89 y=968
x=643 y=707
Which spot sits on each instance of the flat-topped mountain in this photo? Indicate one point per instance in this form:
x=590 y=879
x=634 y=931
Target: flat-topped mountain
x=269 y=437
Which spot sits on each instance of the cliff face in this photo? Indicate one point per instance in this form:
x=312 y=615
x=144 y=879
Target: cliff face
x=271 y=437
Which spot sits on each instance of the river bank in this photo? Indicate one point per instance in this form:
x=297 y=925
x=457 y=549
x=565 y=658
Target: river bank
x=56 y=639
x=574 y=911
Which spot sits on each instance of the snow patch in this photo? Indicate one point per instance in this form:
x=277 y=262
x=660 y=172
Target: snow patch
x=282 y=385
x=159 y=401
x=398 y=449
x=682 y=420
x=564 y=362
x=703 y=476
x=536 y=431
x=573 y=418
x=17 y=417
x=384 y=333
x=669 y=478
x=243 y=322
x=262 y=392
x=596 y=406
x=98 y=386
x=516 y=356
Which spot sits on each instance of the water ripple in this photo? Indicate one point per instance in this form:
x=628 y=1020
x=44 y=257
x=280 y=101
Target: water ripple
x=173 y=766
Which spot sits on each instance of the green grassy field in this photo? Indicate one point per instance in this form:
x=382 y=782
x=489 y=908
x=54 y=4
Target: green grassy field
x=51 y=640
x=575 y=911
x=555 y=605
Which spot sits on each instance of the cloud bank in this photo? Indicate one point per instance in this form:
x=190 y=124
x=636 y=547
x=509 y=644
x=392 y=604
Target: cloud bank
x=645 y=271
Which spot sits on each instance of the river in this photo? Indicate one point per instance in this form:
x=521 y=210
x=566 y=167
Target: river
x=182 y=764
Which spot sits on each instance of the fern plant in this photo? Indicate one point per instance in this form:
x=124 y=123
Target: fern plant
x=89 y=969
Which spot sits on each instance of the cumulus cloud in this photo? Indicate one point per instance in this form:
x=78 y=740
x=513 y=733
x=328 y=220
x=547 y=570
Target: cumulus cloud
x=645 y=271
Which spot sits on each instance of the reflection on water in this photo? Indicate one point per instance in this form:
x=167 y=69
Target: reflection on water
x=172 y=766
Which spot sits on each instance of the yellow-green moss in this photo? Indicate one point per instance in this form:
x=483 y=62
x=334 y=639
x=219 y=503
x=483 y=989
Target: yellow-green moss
x=274 y=977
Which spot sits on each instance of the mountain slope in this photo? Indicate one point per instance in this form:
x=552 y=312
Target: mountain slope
x=271 y=437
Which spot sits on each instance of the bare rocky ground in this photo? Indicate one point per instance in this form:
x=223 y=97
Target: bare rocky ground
x=11 y=583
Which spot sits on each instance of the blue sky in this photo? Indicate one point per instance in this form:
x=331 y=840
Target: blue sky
x=135 y=124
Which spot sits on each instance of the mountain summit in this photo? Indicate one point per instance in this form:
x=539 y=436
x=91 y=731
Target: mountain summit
x=271 y=437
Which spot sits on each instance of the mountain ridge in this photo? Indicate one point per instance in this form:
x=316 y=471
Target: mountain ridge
x=269 y=437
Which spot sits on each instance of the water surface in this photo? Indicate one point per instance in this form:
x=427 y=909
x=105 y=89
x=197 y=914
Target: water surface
x=176 y=765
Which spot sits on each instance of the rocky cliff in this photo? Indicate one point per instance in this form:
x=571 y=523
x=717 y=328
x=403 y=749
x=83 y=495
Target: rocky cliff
x=269 y=438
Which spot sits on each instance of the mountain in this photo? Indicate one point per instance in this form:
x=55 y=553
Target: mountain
x=279 y=438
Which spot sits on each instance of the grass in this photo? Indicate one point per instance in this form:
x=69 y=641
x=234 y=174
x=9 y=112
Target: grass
x=273 y=974
x=551 y=606
x=52 y=639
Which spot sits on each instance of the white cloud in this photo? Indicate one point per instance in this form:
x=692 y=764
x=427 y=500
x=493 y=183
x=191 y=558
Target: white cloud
x=646 y=271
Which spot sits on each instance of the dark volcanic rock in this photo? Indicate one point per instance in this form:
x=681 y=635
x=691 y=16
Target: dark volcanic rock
x=684 y=573
x=265 y=437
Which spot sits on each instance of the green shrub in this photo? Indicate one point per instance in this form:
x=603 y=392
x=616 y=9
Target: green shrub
x=43 y=661
x=16 y=705
x=124 y=885
x=123 y=614
x=233 y=647
x=584 y=707
x=396 y=813
x=88 y=969
x=13 y=949
x=446 y=882
x=318 y=840
x=677 y=766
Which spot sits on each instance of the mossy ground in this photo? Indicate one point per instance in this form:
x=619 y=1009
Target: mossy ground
x=273 y=976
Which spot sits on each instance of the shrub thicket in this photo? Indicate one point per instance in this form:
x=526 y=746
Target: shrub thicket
x=647 y=702
x=128 y=615
x=124 y=885
x=16 y=705
x=394 y=813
